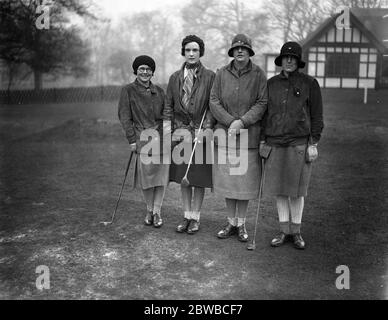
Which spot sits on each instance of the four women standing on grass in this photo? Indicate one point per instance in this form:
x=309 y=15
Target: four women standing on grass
x=237 y=104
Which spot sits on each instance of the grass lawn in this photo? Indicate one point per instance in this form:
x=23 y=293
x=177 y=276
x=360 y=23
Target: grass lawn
x=61 y=171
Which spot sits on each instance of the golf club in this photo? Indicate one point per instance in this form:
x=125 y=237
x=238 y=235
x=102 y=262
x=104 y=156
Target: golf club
x=252 y=245
x=185 y=181
x=106 y=223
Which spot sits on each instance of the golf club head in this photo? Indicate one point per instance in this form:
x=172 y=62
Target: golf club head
x=185 y=182
x=251 y=246
x=106 y=223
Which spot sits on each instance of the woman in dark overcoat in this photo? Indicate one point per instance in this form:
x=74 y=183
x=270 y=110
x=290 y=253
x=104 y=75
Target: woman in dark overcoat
x=187 y=104
x=292 y=125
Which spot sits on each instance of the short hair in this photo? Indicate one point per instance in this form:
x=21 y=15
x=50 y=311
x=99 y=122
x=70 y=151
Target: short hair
x=193 y=38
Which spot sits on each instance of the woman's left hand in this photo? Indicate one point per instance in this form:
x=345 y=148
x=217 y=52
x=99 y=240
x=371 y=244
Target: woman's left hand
x=312 y=153
x=236 y=125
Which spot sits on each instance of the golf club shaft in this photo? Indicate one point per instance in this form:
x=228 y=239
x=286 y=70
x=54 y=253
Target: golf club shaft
x=260 y=195
x=195 y=144
x=122 y=186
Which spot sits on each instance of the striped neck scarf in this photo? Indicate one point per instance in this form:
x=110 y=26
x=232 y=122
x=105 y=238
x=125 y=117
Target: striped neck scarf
x=188 y=85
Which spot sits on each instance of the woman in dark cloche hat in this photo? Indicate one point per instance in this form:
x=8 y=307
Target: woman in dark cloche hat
x=292 y=129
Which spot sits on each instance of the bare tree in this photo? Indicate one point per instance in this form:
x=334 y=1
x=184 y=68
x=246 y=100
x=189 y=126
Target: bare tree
x=58 y=50
x=296 y=18
x=118 y=64
x=149 y=33
x=359 y=3
x=218 y=21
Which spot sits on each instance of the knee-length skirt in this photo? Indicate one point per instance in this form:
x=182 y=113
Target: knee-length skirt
x=150 y=175
x=287 y=173
x=200 y=172
x=236 y=175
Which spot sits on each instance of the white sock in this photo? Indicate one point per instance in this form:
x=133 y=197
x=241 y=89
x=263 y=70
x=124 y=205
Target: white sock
x=283 y=208
x=157 y=210
x=240 y=222
x=187 y=215
x=232 y=221
x=195 y=215
x=296 y=207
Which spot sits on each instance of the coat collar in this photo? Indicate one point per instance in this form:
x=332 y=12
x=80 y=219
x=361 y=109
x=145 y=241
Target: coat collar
x=292 y=75
x=141 y=86
x=197 y=74
x=230 y=67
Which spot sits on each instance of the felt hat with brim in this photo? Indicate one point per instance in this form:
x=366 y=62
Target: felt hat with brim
x=291 y=49
x=241 y=40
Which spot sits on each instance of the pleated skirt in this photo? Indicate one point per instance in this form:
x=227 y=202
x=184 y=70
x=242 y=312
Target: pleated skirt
x=150 y=175
x=287 y=173
x=236 y=175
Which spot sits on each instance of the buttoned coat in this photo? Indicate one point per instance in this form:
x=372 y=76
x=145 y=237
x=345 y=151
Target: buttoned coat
x=141 y=108
x=242 y=96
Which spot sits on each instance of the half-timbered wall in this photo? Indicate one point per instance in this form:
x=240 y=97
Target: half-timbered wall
x=343 y=59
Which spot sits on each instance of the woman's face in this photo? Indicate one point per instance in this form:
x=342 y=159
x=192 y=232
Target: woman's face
x=144 y=73
x=192 y=53
x=241 y=54
x=289 y=63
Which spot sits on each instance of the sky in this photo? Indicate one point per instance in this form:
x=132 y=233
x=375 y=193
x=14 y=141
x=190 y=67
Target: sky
x=115 y=8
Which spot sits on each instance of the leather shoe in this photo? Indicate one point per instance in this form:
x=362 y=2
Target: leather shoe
x=149 y=219
x=299 y=242
x=228 y=231
x=183 y=226
x=279 y=240
x=242 y=233
x=193 y=227
x=158 y=222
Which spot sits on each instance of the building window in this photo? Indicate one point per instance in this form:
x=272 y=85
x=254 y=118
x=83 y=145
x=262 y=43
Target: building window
x=342 y=65
x=385 y=67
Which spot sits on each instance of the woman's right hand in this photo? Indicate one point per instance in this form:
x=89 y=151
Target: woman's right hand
x=264 y=150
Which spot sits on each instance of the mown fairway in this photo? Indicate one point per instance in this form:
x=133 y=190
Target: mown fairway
x=61 y=171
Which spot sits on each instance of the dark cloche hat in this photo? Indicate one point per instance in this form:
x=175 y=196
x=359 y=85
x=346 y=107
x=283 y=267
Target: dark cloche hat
x=143 y=60
x=291 y=49
x=241 y=40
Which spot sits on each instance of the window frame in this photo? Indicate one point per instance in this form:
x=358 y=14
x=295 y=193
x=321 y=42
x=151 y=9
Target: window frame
x=346 y=65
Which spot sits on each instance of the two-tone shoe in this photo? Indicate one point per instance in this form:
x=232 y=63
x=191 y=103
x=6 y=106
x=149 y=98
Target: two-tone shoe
x=227 y=231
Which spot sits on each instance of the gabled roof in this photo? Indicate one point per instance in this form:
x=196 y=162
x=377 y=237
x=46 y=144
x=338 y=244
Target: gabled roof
x=373 y=23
